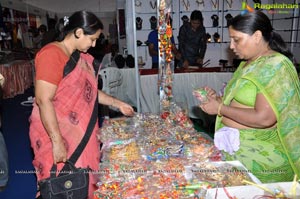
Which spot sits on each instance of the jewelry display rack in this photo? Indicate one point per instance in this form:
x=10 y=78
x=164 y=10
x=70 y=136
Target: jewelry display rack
x=215 y=14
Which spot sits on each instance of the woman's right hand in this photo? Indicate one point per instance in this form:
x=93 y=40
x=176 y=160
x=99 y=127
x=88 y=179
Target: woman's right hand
x=59 y=150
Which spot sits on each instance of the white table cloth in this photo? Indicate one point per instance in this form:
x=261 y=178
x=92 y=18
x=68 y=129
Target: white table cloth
x=183 y=85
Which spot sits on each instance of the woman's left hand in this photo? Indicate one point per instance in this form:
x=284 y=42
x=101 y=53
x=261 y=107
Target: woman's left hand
x=210 y=92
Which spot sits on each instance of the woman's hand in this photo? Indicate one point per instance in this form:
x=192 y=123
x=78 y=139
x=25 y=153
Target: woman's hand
x=210 y=92
x=105 y=99
x=211 y=106
x=213 y=102
x=59 y=150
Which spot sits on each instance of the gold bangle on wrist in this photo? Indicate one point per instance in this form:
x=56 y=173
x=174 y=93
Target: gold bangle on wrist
x=219 y=109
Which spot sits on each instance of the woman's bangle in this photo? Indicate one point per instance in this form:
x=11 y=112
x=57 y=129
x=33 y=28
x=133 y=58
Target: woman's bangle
x=113 y=102
x=219 y=109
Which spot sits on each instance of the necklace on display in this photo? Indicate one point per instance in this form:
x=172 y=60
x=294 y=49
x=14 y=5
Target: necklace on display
x=200 y=2
x=153 y=5
x=215 y=4
x=138 y=3
x=186 y=4
x=229 y=3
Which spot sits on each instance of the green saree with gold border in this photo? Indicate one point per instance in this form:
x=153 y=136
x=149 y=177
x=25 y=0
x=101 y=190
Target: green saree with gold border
x=272 y=155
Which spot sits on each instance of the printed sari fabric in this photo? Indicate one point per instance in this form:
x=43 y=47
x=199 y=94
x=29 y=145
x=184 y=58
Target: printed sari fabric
x=272 y=155
x=74 y=102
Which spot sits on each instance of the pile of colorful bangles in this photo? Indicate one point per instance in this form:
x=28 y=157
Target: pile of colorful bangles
x=159 y=156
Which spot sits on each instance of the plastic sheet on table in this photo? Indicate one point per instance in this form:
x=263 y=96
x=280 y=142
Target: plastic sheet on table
x=231 y=173
x=124 y=151
x=122 y=172
x=171 y=148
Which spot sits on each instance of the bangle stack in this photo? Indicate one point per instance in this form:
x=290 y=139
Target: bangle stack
x=219 y=109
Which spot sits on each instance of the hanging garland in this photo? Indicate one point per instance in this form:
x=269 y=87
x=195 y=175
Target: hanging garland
x=165 y=77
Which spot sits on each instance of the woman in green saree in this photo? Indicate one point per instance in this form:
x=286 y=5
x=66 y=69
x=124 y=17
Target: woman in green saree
x=261 y=101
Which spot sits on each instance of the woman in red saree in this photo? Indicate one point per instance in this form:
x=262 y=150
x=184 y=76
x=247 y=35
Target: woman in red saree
x=63 y=105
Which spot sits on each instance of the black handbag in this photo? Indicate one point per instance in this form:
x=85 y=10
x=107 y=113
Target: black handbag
x=71 y=184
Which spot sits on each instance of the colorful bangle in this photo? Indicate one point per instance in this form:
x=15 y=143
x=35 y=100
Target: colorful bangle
x=219 y=109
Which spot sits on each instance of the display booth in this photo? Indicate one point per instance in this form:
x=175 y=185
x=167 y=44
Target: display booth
x=159 y=152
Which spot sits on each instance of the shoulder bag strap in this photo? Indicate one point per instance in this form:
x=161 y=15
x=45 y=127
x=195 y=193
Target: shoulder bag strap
x=85 y=138
x=71 y=64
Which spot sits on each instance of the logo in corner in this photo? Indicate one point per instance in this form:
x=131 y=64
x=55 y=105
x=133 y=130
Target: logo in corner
x=246 y=8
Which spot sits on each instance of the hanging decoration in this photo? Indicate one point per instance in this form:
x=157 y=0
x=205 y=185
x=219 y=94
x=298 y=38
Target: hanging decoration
x=165 y=75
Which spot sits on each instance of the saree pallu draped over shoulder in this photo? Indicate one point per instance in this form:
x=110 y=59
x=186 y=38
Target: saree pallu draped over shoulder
x=272 y=155
x=73 y=102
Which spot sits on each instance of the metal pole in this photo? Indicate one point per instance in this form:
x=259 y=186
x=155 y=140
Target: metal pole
x=137 y=75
